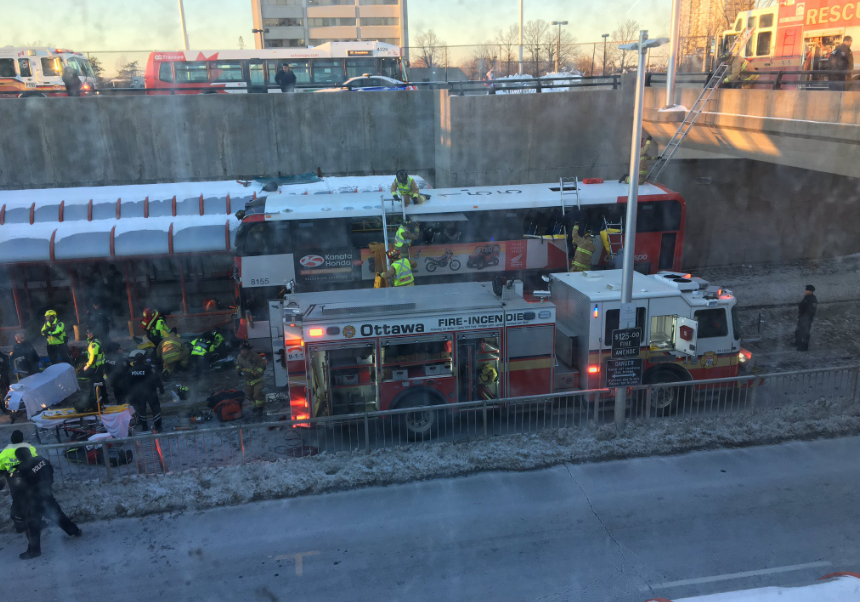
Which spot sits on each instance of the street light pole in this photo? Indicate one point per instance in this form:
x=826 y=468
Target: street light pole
x=606 y=35
x=261 y=32
x=182 y=23
x=521 y=37
x=673 y=53
x=627 y=317
x=558 y=42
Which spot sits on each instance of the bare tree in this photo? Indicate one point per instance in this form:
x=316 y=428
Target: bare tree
x=627 y=31
x=483 y=59
x=583 y=64
x=508 y=41
x=534 y=39
x=567 y=49
x=428 y=46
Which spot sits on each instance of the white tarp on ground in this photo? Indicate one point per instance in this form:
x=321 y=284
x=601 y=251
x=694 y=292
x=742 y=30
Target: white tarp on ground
x=40 y=391
x=842 y=589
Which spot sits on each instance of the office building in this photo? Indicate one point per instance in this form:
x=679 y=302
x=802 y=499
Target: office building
x=301 y=23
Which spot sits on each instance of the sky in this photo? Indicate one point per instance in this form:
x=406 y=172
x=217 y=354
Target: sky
x=93 y=25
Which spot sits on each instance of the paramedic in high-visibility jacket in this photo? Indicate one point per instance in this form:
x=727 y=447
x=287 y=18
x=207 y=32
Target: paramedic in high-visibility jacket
x=95 y=369
x=400 y=272
x=55 y=332
x=253 y=368
x=405 y=186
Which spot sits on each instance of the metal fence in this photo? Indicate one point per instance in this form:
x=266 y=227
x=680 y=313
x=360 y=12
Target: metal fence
x=454 y=423
x=769 y=80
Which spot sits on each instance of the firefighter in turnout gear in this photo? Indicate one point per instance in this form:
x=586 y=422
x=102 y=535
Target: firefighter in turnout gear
x=173 y=354
x=204 y=349
x=38 y=475
x=405 y=186
x=400 y=271
x=55 y=332
x=154 y=326
x=583 y=238
x=405 y=235
x=253 y=368
x=94 y=369
x=144 y=385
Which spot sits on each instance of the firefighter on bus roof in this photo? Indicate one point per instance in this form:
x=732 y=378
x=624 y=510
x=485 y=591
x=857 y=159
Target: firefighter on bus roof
x=400 y=270
x=405 y=186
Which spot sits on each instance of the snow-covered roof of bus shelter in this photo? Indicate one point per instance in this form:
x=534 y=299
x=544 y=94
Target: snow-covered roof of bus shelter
x=451 y=200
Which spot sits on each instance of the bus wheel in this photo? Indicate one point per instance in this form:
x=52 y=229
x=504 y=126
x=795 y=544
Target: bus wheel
x=664 y=400
x=32 y=95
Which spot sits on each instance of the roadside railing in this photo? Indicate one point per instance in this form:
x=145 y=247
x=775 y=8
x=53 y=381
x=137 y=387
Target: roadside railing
x=767 y=80
x=453 y=423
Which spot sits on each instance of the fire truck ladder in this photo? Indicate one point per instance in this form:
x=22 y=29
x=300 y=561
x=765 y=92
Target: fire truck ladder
x=691 y=117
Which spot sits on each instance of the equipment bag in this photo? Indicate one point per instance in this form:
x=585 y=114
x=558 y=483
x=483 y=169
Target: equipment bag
x=225 y=394
x=227 y=410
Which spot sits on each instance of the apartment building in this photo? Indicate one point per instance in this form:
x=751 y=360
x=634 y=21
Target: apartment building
x=301 y=23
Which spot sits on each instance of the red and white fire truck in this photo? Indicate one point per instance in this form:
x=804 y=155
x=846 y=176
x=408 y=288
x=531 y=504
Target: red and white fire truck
x=348 y=352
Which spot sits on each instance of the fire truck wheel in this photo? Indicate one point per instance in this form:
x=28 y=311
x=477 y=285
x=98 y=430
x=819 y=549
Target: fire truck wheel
x=419 y=425
x=664 y=401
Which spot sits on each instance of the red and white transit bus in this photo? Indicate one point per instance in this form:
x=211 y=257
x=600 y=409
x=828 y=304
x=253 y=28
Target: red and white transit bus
x=240 y=71
x=323 y=242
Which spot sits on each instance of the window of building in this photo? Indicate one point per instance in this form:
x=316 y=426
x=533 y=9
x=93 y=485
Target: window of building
x=282 y=22
x=765 y=21
x=328 y=72
x=299 y=67
x=331 y=2
x=375 y=2
x=192 y=72
x=285 y=43
x=52 y=67
x=24 y=68
x=763 y=43
x=7 y=68
x=283 y=2
x=712 y=323
x=226 y=71
x=368 y=21
x=332 y=22
x=392 y=41
x=165 y=72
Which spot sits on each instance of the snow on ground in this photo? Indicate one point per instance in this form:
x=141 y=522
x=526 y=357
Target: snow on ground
x=207 y=488
x=504 y=86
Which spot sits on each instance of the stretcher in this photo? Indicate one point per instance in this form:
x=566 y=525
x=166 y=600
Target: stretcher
x=112 y=420
x=41 y=391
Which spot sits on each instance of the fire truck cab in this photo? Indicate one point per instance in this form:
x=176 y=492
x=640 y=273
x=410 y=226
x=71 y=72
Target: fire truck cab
x=689 y=328
x=346 y=352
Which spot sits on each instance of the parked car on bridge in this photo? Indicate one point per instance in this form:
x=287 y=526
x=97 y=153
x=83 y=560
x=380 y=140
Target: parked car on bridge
x=371 y=83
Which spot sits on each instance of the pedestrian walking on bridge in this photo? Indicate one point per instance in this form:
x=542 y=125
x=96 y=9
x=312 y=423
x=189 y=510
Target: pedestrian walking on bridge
x=805 y=314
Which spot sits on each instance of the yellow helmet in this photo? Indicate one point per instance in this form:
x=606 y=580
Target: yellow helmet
x=50 y=314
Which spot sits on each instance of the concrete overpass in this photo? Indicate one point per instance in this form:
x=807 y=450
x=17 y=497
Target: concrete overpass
x=807 y=129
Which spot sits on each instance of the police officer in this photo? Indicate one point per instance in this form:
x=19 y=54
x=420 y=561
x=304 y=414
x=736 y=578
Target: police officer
x=405 y=186
x=8 y=467
x=115 y=365
x=95 y=368
x=400 y=271
x=55 y=332
x=805 y=314
x=143 y=388
x=405 y=235
x=38 y=474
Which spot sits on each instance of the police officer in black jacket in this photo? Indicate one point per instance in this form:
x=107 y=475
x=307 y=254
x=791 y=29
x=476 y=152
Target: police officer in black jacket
x=38 y=474
x=805 y=314
x=143 y=385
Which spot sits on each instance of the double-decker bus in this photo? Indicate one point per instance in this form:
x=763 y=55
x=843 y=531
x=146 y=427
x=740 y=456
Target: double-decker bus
x=28 y=72
x=328 y=242
x=239 y=71
x=793 y=35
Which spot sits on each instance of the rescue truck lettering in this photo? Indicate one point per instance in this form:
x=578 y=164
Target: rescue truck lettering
x=371 y=329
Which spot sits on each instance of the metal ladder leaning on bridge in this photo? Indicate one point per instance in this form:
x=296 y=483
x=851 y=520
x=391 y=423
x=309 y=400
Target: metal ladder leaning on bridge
x=696 y=110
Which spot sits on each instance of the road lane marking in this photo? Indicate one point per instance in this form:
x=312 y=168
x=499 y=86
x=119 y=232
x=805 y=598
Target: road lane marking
x=729 y=576
x=299 y=558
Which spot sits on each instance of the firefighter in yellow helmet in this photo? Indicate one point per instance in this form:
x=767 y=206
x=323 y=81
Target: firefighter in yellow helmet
x=173 y=354
x=154 y=326
x=94 y=370
x=400 y=272
x=488 y=376
x=55 y=333
x=405 y=186
x=583 y=238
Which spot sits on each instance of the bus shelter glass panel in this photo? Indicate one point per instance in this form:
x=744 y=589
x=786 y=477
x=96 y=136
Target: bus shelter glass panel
x=344 y=379
x=479 y=366
x=415 y=358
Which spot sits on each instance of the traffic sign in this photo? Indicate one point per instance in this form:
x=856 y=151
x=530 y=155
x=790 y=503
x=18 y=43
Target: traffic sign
x=626 y=342
x=624 y=373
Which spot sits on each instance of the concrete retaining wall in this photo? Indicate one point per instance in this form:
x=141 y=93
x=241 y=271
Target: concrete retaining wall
x=145 y=139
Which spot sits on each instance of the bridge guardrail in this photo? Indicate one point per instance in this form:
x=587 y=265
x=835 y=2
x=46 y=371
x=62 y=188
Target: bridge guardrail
x=454 y=423
x=775 y=80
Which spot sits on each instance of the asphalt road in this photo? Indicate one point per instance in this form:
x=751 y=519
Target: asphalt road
x=626 y=530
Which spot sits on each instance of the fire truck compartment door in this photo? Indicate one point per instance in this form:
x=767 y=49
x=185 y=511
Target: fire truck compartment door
x=686 y=335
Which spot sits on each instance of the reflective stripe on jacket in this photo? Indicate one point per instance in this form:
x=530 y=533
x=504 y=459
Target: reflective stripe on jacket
x=55 y=333
x=408 y=189
x=403 y=272
x=584 y=251
x=95 y=356
x=401 y=241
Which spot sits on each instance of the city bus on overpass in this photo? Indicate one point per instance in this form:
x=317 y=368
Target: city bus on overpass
x=254 y=70
x=330 y=242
